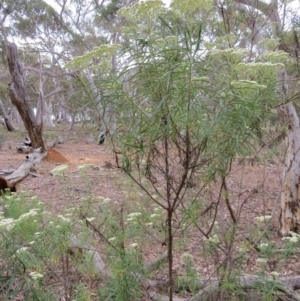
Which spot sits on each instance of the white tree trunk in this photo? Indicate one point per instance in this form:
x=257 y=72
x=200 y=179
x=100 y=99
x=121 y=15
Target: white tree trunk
x=290 y=194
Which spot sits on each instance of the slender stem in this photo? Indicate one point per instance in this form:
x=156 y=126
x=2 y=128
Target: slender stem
x=227 y=202
x=170 y=254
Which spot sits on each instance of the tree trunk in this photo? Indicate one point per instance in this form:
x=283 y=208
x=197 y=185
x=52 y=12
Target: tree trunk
x=16 y=118
x=48 y=120
x=290 y=194
x=72 y=123
x=18 y=94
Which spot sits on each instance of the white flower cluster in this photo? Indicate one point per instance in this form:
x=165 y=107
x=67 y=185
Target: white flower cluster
x=293 y=239
x=259 y=65
x=63 y=218
x=7 y=223
x=32 y=212
x=235 y=55
x=214 y=239
x=261 y=260
x=274 y=274
x=21 y=250
x=36 y=275
x=134 y=214
x=157 y=212
x=133 y=245
x=270 y=43
x=247 y=84
x=264 y=218
x=263 y=246
x=275 y=56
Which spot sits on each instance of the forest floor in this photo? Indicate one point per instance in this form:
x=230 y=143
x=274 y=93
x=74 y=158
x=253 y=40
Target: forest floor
x=254 y=188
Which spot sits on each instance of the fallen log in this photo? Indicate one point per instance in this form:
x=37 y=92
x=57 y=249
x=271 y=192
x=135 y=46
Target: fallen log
x=31 y=164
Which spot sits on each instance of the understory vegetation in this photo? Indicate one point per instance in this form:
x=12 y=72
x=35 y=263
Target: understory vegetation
x=100 y=248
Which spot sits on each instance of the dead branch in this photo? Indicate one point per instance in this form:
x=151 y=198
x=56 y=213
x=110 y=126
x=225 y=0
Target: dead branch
x=100 y=265
x=158 y=297
x=208 y=289
x=153 y=265
x=31 y=163
x=24 y=149
x=6 y=119
x=287 y=285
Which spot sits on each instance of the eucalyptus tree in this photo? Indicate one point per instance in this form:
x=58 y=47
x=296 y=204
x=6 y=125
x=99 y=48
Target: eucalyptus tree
x=55 y=34
x=274 y=37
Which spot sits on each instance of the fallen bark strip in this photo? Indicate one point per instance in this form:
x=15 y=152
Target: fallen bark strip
x=246 y=281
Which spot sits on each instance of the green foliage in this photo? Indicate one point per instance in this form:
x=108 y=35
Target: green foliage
x=190 y=95
x=81 y=293
x=170 y=86
x=125 y=285
x=32 y=240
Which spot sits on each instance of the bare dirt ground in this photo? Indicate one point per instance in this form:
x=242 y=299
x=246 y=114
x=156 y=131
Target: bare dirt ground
x=75 y=151
x=254 y=188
